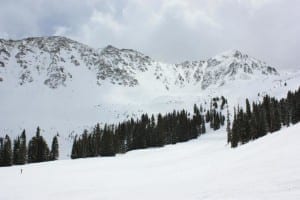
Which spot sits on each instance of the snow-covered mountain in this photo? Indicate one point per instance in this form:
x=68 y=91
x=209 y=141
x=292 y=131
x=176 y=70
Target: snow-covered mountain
x=52 y=60
x=64 y=86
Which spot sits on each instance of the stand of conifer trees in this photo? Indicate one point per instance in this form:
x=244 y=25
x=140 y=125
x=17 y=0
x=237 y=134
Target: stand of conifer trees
x=267 y=116
x=18 y=153
x=145 y=132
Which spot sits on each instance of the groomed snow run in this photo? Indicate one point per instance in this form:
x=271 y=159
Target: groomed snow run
x=205 y=168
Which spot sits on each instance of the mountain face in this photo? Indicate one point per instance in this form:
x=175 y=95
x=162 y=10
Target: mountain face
x=64 y=87
x=52 y=61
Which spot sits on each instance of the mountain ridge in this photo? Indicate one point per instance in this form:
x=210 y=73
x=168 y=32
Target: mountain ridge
x=54 y=57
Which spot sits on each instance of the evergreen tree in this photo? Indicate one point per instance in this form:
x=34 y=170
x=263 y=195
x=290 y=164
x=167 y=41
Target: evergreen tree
x=234 y=139
x=38 y=150
x=107 y=143
x=7 y=152
x=203 y=129
x=75 y=148
x=23 y=148
x=248 y=109
x=54 y=149
x=19 y=150
x=98 y=139
x=228 y=129
x=224 y=101
x=16 y=151
x=1 y=151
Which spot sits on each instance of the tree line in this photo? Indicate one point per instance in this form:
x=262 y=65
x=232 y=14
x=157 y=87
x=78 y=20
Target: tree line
x=255 y=121
x=147 y=131
x=18 y=153
x=263 y=117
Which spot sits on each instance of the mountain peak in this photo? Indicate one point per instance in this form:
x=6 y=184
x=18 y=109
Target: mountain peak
x=110 y=48
x=232 y=53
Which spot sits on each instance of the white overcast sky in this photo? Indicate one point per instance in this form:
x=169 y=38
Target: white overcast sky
x=166 y=30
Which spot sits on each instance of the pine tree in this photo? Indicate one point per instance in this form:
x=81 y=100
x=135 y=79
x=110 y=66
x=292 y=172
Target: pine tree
x=107 y=143
x=16 y=151
x=38 y=150
x=277 y=116
x=23 y=148
x=54 y=149
x=228 y=129
x=1 y=151
x=253 y=126
x=234 y=139
x=203 y=129
x=248 y=109
x=160 y=131
x=263 y=127
x=19 y=150
x=98 y=139
x=224 y=101
x=7 y=152
x=74 y=153
x=207 y=116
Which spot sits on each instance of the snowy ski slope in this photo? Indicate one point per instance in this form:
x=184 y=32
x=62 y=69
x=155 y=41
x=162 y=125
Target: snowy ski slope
x=204 y=168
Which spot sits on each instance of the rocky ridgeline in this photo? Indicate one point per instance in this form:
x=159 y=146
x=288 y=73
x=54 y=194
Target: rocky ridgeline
x=53 y=59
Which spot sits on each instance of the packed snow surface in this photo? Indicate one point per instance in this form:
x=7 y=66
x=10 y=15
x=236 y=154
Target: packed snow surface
x=204 y=168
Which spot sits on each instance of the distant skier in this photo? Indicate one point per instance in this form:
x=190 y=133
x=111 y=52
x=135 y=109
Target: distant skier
x=21 y=170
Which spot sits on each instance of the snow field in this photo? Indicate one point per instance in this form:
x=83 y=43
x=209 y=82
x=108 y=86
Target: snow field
x=204 y=168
